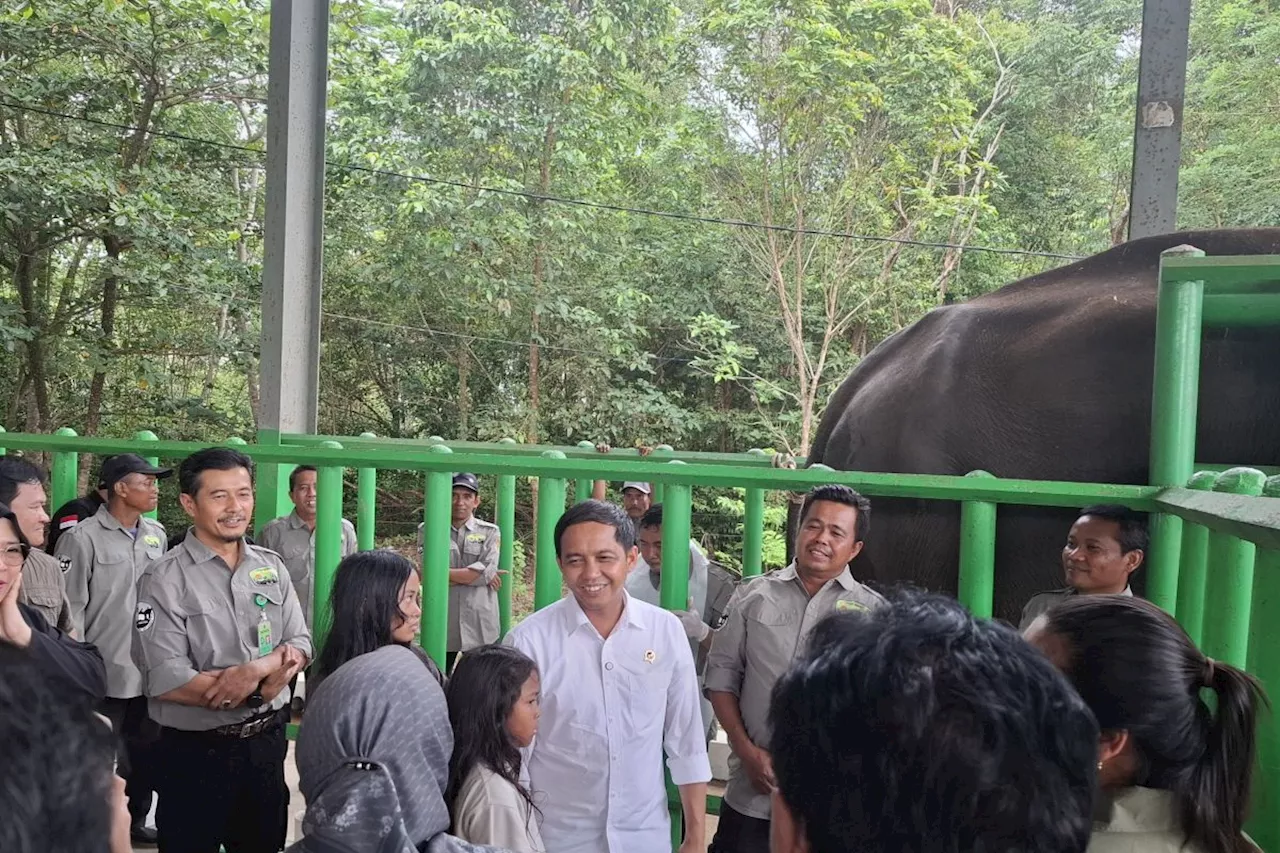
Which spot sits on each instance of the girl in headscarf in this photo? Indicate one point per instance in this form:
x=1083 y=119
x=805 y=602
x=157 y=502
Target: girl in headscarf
x=373 y=760
x=493 y=699
x=1174 y=774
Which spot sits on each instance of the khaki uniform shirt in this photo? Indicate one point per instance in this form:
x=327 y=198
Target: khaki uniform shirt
x=473 y=607
x=44 y=589
x=106 y=561
x=290 y=537
x=770 y=617
x=195 y=613
x=1043 y=602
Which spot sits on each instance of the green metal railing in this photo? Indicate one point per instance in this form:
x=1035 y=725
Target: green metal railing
x=1215 y=555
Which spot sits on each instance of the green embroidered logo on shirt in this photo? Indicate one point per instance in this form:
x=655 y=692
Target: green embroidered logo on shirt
x=264 y=575
x=846 y=606
x=152 y=540
x=475 y=537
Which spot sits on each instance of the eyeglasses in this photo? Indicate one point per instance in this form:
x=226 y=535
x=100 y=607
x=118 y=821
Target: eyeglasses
x=14 y=555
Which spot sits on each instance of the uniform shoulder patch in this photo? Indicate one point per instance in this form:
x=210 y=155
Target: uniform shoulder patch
x=64 y=563
x=144 y=616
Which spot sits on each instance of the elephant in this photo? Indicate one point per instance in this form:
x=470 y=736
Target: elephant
x=1048 y=378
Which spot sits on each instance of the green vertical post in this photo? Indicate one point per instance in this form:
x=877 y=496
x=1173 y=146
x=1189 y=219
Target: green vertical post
x=328 y=547
x=66 y=470
x=272 y=484
x=1193 y=565
x=582 y=488
x=1174 y=402
x=505 y=517
x=753 y=527
x=147 y=435
x=677 y=507
x=366 y=503
x=551 y=493
x=1264 y=662
x=1228 y=594
x=2 y=450
x=978 y=553
x=437 y=515
x=659 y=491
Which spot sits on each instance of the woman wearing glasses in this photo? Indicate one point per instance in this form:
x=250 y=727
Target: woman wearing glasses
x=75 y=669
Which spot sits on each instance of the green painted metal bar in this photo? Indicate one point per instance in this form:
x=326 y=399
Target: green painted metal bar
x=145 y=435
x=583 y=485
x=1174 y=399
x=978 y=554
x=1225 y=273
x=753 y=524
x=1229 y=587
x=437 y=516
x=505 y=517
x=1256 y=520
x=366 y=505
x=1195 y=559
x=922 y=486
x=65 y=471
x=328 y=547
x=3 y=451
x=1219 y=467
x=1252 y=309
x=271 y=481
x=1264 y=662
x=661 y=453
x=551 y=494
x=677 y=509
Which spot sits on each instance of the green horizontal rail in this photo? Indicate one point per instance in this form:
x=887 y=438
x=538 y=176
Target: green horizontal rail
x=1215 y=468
x=1254 y=519
x=921 y=486
x=1225 y=274
x=1239 y=310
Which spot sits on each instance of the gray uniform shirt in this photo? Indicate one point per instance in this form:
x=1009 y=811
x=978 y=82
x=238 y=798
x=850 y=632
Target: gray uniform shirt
x=195 y=613
x=769 y=619
x=1042 y=602
x=44 y=589
x=473 y=607
x=290 y=537
x=106 y=561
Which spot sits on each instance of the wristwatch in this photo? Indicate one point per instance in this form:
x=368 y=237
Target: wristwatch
x=255 y=699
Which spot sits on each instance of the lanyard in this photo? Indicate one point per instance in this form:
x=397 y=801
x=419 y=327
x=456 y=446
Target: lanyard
x=265 y=646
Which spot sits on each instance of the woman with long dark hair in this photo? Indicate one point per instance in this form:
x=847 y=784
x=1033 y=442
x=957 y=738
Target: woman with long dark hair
x=493 y=705
x=1174 y=774
x=376 y=601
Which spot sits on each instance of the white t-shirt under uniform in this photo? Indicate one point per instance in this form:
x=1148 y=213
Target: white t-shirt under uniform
x=489 y=810
x=610 y=708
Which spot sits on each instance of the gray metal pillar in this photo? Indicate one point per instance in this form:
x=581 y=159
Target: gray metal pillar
x=1157 y=135
x=291 y=280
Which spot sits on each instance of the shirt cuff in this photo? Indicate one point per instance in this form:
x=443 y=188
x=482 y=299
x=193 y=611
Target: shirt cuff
x=302 y=644
x=690 y=770
x=722 y=681
x=169 y=676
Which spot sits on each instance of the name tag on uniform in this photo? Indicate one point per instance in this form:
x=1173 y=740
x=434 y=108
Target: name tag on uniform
x=264 y=576
x=265 y=646
x=152 y=540
x=851 y=606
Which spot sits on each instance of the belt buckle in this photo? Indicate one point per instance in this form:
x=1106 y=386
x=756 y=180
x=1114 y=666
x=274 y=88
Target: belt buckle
x=251 y=728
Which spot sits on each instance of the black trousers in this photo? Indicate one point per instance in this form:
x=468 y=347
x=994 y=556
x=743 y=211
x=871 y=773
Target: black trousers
x=738 y=833
x=220 y=791
x=136 y=736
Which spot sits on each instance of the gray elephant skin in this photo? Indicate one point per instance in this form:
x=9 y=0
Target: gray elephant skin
x=1048 y=378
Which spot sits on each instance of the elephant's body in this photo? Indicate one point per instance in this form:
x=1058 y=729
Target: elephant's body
x=1048 y=378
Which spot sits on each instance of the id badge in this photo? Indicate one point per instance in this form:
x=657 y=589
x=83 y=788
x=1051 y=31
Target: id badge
x=265 y=646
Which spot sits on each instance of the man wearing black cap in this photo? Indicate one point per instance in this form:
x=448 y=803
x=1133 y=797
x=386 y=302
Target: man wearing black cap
x=105 y=556
x=474 y=579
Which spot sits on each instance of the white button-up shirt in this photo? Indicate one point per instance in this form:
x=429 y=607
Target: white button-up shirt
x=610 y=707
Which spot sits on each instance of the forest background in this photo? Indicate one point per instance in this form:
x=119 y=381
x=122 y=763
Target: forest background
x=132 y=195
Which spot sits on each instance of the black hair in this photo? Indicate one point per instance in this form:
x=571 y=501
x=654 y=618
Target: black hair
x=12 y=518
x=841 y=495
x=293 y=475
x=652 y=517
x=484 y=687
x=918 y=727
x=1140 y=672
x=16 y=472
x=600 y=513
x=56 y=788
x=210 y=459
x=1133 y=527
x=364 y=606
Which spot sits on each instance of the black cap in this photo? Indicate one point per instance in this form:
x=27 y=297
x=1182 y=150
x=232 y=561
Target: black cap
x=122 y=465
x=467 y=481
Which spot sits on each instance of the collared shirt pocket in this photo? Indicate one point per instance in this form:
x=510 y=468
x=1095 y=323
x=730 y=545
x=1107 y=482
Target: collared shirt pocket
x=645 y=706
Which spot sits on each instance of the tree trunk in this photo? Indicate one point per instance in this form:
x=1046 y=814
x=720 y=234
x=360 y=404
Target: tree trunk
x=535 y=325
x=464 y=391
x=110 y=299
x=24 y=278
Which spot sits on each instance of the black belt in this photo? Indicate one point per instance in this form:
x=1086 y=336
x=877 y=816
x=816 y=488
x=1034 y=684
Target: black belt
x=251 y=727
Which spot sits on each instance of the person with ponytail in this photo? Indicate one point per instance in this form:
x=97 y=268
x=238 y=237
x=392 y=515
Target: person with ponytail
x=493 y=698
x=1174 y=775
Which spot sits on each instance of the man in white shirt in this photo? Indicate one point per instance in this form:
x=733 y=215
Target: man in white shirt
x=618 y=689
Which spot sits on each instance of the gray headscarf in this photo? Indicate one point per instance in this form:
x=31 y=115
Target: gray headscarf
x=373 y=760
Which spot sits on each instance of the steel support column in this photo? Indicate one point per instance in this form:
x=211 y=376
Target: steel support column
x=296 y=99
x=1157 y=134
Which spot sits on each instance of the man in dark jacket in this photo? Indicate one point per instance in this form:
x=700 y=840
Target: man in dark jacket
x=74 y=669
